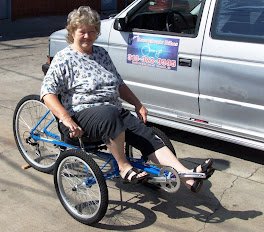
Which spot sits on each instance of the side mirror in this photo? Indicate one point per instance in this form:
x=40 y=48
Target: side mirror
x=120 y=24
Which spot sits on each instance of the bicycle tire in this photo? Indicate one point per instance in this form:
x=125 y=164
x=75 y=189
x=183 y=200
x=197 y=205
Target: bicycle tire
x=38 y=154
x=164 y=139
x=134 y=153
x=81 y=186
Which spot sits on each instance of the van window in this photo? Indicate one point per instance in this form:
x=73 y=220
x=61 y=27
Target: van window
x=178 y=16
x=240 y=20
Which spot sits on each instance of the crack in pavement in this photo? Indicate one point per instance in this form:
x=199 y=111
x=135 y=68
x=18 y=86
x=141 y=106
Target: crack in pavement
x=21 y=74
x=7 y=107
x=252 y=174
x=219 y=203
x=18 y=57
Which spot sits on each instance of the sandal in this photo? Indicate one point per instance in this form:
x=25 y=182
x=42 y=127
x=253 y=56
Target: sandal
x=207 y=168
x=197 y=185
x=209 y=173
x=134 y=179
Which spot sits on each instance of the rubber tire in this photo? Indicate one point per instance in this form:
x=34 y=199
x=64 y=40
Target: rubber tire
x=96 y=173
x=28 y=151
x=158 y=133
x=164 y=139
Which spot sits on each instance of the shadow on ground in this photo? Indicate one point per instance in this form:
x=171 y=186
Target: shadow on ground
x=130 y=215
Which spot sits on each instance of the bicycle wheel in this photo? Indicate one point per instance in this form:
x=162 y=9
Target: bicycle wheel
x=164 y=139
x=40 y=155
x=81 y=186
x=132 y=152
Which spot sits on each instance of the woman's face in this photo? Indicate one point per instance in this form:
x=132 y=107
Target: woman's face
x=83 y=38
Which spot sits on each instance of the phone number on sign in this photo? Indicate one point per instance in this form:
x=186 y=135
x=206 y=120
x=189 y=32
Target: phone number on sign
x=151 y=60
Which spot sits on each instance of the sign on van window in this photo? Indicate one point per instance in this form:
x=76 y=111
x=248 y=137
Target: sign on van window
x=153 y=51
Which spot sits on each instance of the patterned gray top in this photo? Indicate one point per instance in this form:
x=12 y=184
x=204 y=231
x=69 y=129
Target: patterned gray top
x=82 y=80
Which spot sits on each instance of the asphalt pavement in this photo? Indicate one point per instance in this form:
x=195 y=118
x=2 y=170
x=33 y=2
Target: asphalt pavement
x=231 y=200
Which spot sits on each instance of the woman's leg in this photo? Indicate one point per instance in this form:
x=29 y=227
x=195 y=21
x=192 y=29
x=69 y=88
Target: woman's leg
x=116 y=147
x=106 y=123
x=165 y=157
x=141 y=137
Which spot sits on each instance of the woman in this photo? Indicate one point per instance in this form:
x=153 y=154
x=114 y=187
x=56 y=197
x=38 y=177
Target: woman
x=89 y=85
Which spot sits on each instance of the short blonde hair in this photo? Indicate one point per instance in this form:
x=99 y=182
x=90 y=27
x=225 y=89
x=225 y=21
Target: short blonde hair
x=84 y=15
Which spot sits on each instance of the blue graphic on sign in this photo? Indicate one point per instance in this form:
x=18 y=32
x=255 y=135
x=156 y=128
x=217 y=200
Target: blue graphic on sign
x=158 y=52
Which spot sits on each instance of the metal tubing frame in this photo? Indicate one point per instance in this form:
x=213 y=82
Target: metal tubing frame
x=138 y=163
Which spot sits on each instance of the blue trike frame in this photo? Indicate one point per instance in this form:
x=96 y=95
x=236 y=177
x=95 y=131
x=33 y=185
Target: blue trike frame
x=135 y=162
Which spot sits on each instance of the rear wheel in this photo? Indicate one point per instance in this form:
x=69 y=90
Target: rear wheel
x=40 y=155
x=81 y=186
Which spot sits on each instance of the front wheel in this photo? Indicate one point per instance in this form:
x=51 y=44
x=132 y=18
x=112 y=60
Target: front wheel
x=81 y=186
x=132 y=152
x=164 y=139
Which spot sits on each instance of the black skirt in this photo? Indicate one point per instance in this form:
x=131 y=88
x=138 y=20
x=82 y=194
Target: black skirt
x=106 y=122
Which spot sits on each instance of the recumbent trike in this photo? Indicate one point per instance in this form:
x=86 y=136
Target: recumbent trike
x=79 y=181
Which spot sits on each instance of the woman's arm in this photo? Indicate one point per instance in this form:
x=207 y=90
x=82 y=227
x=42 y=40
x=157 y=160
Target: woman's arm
x=53 y=103
x=127 y=95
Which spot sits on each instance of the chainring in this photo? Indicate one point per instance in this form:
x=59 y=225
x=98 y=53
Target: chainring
x=173 y=181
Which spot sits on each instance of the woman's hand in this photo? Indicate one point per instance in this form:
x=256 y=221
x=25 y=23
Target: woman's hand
x=142 y=113
x=53 y=103
x=74 y=129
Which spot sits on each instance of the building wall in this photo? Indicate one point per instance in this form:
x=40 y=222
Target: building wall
x=35 y=8
x=3 y=9
x=121 y=5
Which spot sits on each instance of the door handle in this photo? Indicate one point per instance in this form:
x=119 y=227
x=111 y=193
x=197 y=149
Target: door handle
x=185 y=62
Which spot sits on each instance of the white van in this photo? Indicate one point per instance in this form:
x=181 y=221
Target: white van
x=197 y=65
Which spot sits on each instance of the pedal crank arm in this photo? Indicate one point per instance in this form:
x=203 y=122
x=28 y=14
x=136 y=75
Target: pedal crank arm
x=160 y=179
x=192 y=175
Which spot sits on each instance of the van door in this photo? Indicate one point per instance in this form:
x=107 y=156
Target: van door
x=158 y=56
x=232 y=68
